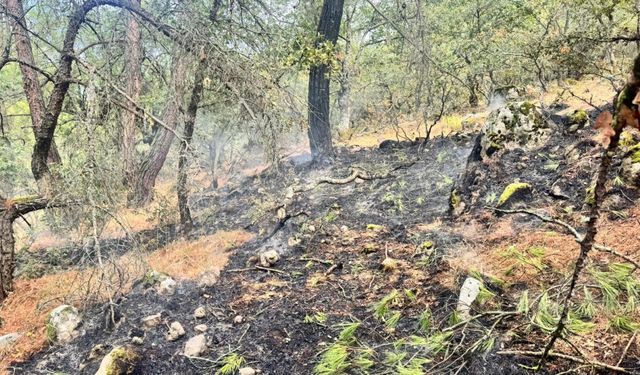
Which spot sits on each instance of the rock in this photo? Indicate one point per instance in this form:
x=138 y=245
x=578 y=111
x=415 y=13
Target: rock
x=7 y=341
x=200 y=313
x=208 y=279
x=152 y=320
x=514 y=125
x=167 y=287
x=152 y=278
x=175 y=331
x=201 y=328
x=238 y=319
x=246 y=371
x=513 y=192
x=269 y=258
x=137 y=340
x=63 y=323
x=195 y=346
x=468 y=294
x=630 y=168
x=97 y=351
x=121 y=360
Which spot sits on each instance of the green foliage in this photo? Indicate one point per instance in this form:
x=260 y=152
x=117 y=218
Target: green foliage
x=231 y=364
x=510 y=190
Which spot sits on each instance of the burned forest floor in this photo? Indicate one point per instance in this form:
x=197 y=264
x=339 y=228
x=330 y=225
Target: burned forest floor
x=357 y=267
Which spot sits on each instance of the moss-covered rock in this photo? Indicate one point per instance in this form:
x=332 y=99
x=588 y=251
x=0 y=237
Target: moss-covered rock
x=514 y=125
x=513 y=191
x=63 y=324
x=122 y=360
x=579 y=117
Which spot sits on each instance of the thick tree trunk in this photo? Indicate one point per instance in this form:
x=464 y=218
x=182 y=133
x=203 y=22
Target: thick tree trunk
x=151 y=166
x=10 y=210
x=319 y=126
x=130 y=118
x=185 y=145
x=32 y=89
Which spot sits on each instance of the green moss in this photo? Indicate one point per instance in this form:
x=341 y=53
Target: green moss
x=526 y=108
x=579 y=117
x=510 y=190
x=626 y=140
x=590 y=196
x=153 y=277
x=455 y=199
x=122 y=361
x=50 y=332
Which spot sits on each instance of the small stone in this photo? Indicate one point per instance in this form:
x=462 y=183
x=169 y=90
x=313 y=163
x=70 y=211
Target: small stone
x=175 y=331
x=293 y=241
x=208 y=279
x=200 y=313
x=7 y=341
x=62 y=324
x=311 y=228
x=195 y=346
x=97 y=351
x=121 y=360
x=201 y=328
x=238 y=319
x=152 y=320
x=269 y=258
x=167 y=287
x=137 y=340
x=246 y=371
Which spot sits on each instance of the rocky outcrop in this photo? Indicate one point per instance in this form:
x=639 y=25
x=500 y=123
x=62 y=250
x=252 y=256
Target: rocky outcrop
x=121 y=360
x=514 y=125
x=63 y=324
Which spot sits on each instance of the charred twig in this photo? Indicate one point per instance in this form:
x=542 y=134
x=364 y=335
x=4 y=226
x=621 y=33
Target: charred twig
x=322 y=261
x=618 y=254
x=571 y=358
x=626 y=348
x=259 y=268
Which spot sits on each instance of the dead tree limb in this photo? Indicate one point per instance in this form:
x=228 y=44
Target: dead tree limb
x=571 y=358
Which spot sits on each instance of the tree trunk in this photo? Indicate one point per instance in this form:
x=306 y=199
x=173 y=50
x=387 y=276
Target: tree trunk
x=32 y=89
x=185 y=145
x=130 y=118
x=319 y=126
x=10 y=210
x=151 y=166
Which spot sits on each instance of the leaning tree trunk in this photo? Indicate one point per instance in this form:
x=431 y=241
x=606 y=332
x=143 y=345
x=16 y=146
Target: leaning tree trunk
x=185 y=145
x=30 y=83
x=319 y=126
x=10 y=210
x=130 y=117
x=150 y=167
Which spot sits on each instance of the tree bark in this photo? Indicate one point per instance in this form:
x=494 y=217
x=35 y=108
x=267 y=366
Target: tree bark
x=318 y=96
x=185 y=145
x=344 y=99
x=130 y=118
x=10 y=210
x=30 y=83
x=151 y=166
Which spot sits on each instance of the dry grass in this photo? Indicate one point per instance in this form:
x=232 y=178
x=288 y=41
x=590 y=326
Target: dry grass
x=26 y=308
x=188 y=259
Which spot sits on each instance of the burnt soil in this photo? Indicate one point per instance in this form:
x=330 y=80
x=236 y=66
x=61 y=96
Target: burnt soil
x=332 y=240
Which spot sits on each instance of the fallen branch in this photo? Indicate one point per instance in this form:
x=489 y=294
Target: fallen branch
x=321 y=261
x=611 y=251
x=259 y=268
x=553 y=354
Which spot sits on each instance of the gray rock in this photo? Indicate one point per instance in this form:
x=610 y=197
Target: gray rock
x=175 y=331
x=208 y=279
x=200 y=313
x=63 y=324
x=201 y=328
x=167 y=287
x=152 y=320
x=195 y=346
x=246 y=371
x=269 y=258
x=238 y=319
x=7 y=341
x=514 y=125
